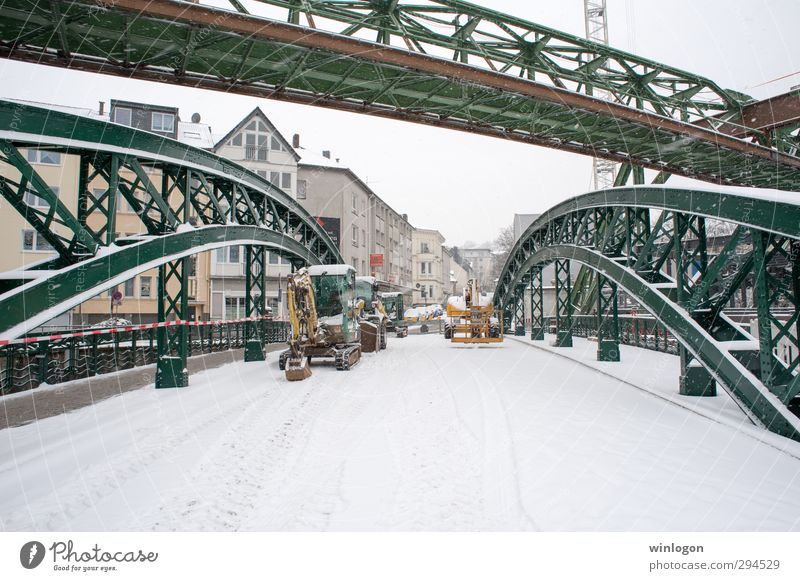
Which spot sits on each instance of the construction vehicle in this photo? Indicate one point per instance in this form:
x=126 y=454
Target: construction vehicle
x=393 y=306
x=471 y=317
x=370 y=310
x=322 y=312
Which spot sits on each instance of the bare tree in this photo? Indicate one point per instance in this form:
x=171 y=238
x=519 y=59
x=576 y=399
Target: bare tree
x=501 y=247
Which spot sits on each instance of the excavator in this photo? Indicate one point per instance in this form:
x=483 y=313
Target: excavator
x=323 y=315
x=370 y=309
x=471 y=318
x=393 y=306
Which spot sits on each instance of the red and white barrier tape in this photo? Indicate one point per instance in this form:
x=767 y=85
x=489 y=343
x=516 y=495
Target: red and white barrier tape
x=25 y=340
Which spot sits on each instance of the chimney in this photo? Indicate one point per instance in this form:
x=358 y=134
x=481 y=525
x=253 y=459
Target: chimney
x=326 y=153
x=102 y=108
x=405 y=217
x=296 y=140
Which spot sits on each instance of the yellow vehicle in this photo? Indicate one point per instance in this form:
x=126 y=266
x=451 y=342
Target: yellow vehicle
x=471 y=317
x=321 y=302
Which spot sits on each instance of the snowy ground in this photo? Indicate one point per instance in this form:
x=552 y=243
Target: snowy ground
x=424 y=436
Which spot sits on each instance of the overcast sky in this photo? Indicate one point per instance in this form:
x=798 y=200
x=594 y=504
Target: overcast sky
x=466 y=186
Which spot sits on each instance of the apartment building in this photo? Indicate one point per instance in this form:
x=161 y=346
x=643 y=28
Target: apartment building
x=258 y=145
x=481 y=261
x=429 y=269
x=372 y=236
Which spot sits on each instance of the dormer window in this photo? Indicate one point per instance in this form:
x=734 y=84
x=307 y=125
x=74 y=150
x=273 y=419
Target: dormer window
x=123 y=116
x=163 y=122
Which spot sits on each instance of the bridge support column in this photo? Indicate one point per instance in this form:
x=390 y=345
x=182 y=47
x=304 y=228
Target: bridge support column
x=255 y=302
x=173 y=305
x=695 y=379
x=537 y=305
x=607 y=320
x=519 y=311
x=563 y=304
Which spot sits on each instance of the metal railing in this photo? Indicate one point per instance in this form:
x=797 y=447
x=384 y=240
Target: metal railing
x=644 y=332
x=56 y=359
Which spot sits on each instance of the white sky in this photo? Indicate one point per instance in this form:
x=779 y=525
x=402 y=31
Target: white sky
x=467 y=186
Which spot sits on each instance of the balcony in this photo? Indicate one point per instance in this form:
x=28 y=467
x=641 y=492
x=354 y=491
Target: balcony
x=253 y=152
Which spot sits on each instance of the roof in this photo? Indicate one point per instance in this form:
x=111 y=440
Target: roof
x=197 y=134
x=330 y=269
x=257 y=112
x=310 y=158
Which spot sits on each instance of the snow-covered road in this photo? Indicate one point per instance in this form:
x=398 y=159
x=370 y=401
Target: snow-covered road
x=424 y=436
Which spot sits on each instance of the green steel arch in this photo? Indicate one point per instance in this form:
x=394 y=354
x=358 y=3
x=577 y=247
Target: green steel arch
x=682 y=254
x=445 y=63
x=186 y=199
x=54 y=293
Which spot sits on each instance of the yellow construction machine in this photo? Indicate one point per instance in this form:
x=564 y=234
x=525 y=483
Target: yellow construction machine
x=322 y=312
x=471 y=317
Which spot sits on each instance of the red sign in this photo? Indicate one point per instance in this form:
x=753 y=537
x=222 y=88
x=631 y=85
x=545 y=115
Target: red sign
x=376 y=259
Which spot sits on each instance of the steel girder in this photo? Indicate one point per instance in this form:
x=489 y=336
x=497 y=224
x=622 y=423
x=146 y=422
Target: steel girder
x=535 y=85
x=37 y=302
x=673 y=273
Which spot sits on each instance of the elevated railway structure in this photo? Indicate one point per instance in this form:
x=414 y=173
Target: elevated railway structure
x=440 y=62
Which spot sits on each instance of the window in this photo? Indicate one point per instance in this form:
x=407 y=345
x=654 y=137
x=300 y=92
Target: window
x=129 y=286
x=262 y=173
x=355 y=203
x=44 y=157
x=236 y=141
x=275 y=178
x=123 y=116
x=424 y=248
x=228 y=255
x=145 y=286
x=234 y=308
x=364 y=266
x=38 y=202
x=275 y=144
x=363 y=237
x=355 y=236
x=286 y=181
x=355 y=263
x=273 y=258
x=32 y=240
x=301 y=189
x=164 y=122
x=112 y=290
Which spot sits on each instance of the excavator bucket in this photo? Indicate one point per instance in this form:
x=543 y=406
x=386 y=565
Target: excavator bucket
x=298 y=369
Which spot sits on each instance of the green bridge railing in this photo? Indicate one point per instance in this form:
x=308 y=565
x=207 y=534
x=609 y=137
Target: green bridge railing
x=25 y=366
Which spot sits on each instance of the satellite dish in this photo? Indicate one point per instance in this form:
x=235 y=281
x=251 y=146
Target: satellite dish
x=195 y=117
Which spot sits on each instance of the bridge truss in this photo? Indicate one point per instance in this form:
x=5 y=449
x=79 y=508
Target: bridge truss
x=188 y=201
x=440 y=62
x=654 y=243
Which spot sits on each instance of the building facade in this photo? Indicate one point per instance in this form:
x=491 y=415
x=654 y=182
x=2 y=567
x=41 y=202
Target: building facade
x=481 y=262
x=256 y=144
x=373 y=237
x=429 y=268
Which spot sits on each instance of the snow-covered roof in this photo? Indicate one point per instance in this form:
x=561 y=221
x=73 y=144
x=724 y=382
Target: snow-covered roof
x=369 y=279
x=309 y=157
x=330 y=269
x=196 y=134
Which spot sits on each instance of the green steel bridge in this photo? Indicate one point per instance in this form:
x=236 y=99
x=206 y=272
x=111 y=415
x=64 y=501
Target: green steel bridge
x=444 y=63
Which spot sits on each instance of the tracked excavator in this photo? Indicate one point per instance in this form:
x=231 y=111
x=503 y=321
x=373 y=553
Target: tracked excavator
x=393 y=306
x=322 y=312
